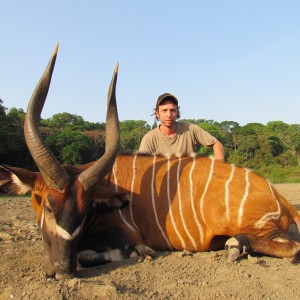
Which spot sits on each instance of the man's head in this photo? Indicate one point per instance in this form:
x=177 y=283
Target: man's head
x=164 y=100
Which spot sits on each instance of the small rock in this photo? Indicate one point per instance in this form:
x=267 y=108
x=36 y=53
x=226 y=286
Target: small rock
x=105 y=291
x=253 y=259
x=73 y=283
x=185 y=253
x=246 y=275
x=148 y=258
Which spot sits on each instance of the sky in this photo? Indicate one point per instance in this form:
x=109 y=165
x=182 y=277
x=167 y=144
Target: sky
x=224 y=60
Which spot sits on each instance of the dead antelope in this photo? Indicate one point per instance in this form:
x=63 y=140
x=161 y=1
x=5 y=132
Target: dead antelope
x=126 y=205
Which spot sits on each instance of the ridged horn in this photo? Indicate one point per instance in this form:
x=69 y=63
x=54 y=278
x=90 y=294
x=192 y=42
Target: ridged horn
x=52 y=171
x=90 y=176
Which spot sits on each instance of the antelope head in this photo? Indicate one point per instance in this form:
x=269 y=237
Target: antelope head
x=62 y=198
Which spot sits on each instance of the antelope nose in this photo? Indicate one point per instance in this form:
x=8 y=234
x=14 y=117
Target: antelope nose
x=60 y=276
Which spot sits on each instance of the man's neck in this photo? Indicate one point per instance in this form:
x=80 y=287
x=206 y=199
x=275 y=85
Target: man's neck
x=168 y=131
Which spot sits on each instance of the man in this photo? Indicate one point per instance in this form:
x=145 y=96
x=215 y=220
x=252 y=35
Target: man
x=176 y=138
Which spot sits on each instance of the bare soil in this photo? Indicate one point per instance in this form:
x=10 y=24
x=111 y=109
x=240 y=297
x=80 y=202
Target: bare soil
x=169 y=275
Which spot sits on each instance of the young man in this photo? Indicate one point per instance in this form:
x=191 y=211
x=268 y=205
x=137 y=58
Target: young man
x=176 y=138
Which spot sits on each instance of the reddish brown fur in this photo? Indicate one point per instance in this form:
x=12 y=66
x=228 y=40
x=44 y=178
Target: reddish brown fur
x=260 y=201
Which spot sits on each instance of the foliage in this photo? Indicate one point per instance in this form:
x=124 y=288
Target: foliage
x=69 y=145
x=131 y=134
x=13 y=150
x=64 y=120
x=277 y=174
x=272 y=150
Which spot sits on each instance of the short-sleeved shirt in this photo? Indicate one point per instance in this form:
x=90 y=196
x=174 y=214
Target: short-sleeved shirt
x=186 y=138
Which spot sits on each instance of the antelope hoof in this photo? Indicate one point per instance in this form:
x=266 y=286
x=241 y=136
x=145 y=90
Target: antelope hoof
x=235 y=249
x=232 y=254
x=145 y=252
x=296 y=259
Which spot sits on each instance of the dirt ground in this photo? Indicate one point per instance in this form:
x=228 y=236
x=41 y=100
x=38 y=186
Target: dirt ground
x=169 y=275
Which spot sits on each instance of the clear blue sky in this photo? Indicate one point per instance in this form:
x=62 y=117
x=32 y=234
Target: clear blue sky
x=224 y=60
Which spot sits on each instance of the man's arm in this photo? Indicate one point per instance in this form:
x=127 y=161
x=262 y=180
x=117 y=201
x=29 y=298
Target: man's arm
x=218 y=151
x=206 y=139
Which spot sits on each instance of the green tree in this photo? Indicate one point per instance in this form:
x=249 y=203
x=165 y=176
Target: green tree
x=131 y=134
x=246 y=141
x=96 y=142
x=2 y=112
x=266 y=149
x=289 y=136
x=64 y=120
x=16 y=117
x=3 y=132
x=229 y=126
x=13 y=147
x=70 y=146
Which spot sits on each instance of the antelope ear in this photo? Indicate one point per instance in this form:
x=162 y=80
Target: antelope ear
x=106 y=199
x=16 y=181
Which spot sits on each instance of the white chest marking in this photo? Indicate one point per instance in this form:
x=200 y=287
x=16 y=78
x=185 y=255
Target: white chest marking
x=66 y=235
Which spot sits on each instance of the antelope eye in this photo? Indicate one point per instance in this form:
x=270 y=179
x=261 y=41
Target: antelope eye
x=48 y=209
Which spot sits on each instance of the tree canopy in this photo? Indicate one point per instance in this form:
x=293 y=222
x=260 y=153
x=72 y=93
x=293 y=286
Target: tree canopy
x=272 y=150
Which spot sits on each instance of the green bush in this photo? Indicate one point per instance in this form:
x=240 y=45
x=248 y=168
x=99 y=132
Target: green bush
x=279 y=174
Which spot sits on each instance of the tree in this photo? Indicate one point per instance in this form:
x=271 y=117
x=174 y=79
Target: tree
x=13 y=147
x=2 y=110
x=154 y=125
x=246 y=144
x=289 y=136
x=229 y=126
x=131 y=134
x=3 y=131
x=70 y=146
x=96 y=140
x=16 y=117
x=64 y=120
x=264 y=148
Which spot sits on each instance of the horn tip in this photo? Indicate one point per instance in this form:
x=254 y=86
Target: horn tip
x=56 y=49
x=117 y=68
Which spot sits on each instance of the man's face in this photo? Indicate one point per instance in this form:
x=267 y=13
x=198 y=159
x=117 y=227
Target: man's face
x=167 y=113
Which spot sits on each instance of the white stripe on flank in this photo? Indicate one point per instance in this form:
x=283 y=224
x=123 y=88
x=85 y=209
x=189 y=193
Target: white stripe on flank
x=153 y=203
x=114 y=174
x=124 y=220
x=133 y=177
x=131 y=190
x=206 y=188
x=269 y=216
x=170 y=208
x=180 y=207
x=193 y=203
x=241 y=209
x=116 y=187
x=227 y=192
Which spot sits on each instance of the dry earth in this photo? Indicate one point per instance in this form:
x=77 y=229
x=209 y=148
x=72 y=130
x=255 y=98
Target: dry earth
x=169 y=275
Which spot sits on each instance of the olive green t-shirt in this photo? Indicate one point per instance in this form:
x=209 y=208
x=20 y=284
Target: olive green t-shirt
x=188 y=136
